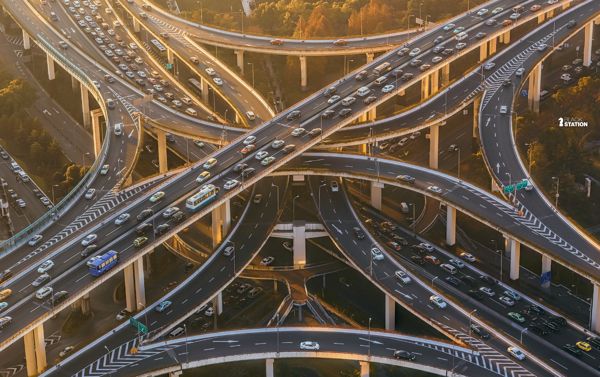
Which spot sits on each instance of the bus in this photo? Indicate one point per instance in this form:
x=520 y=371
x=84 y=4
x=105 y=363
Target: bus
x=382 y=68
x=102 y=263
x=207 y=194
x=157 y=46
x=195 y=85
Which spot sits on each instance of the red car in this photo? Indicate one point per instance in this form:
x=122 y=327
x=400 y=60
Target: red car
x=248 y=148
x=431 y=259
x=340 y=42
x=276 y=42
x=394 y=245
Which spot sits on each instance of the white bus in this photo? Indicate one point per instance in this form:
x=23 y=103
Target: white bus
x=382 y=68
x=206 y=194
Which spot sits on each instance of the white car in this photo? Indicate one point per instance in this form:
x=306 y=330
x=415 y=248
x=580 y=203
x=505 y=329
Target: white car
x=565 y=77
x=89 y=239
x=35 y=239
x=210 y=71
x=376 y=253
x=228 y=250
x=266 y=261
x=438 y=301
x=104 y=169
x=261 y=154
x=43 y=293
x=426 y=246
x=90 y=193
x=488 y=66
x=210 y=163
x=231 y=184
x=503 y=109
x=299 y=131
x=333 y=99
x=309 y=346
x=414 y=52
x=209 y=311
x=460 y=45
x=277 y=143
x=435 y=189
x=122 y=218
x=507 y=300
x=267 y=161
x=468 y=257
x=388 y=88
x=218 y=81
x=40 y=280
x=402 y=276
x=169 y=212
x=519 y=72
x=250 y=115
x=482 y=12
x=457 y=263
x=249 y=140
x=487 y=291
x=437 y=59
x=516 y=353
x=46 y=266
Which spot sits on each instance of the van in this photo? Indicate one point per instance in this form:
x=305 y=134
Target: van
x=190 y=111
x=118 y=129
x=24 y=177
x=178 y=331
x=380 y=80
x=348 y=101
x=461 y=36
x=518 y=9
x=448 y=267
x=363 y=91
x=404 y=207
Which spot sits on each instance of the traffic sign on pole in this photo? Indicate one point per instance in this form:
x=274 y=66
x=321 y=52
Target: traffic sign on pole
x=143 y=329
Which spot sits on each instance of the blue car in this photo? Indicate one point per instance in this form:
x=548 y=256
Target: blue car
x=162 y=306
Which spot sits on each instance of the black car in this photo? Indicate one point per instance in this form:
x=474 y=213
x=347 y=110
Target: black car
x=144 y=214
x=488 y=279
x=537 y=329
x=477 y=295
x=571 y=24
x=143 y=228
x=560 y=321
x=361 y=75
x=293 y=115
x=330 y=91
x=536 y=309
x=397 y=72
x=345 y=112
x=479 y=331
x=469 y=280
x=162 y=228
x=369 y=99
x=405 y=355
x=452 y=280
x=248 y=172
x=59 y=296
x=359 y=233
x=178 y=216
x=5 y=275
x=88 y=250
x=417 y=259
x=573 y=350
x=552 y=327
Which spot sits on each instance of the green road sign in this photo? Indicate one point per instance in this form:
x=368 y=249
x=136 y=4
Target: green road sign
x=138 y=325
x=521 y=185
x=508 y=189
x=169 y=66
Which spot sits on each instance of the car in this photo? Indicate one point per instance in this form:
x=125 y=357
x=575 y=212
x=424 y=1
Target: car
x=247 y=149
x=503 y=109
x=369 y=100
x=335 y=187
x=584 y=346
x=435 y=189
x=479 y=331
x=458 y=30
x=277 y=143
x=218 y=81
x=267 y=161
x=468 y=257
x=315 y=132
x=514 y=295
x=394 y=245
x=506 y=300
x=309 y=345
x=449 y=27
x=67 y=350
x=573 y=350
x=239 y=167
x=333 y=99
x=140 y=241
x=122 y=218
x=230 y=184
x=169 y=212
x=542 y=47
x=162 y=228
x=42 y=293
x=340 y=42
x=488 y=279
x=424 y=67
x=460 y=45
x=453 y=280
x=261 y=154
x=488 y=66
x=517 y=317
x=293 y=115
x=276 y=42
x=506 y=83
x=491 y=22
x=414 y=52
x=161 y=307
x=122 y=315
x=456 y=263
x=426 y=246
x=358 y=233
x=565 y=77
x=432 y=259
x=228 y=250
x=388 y=88
x=436 y=59
x=415 y=62
x=210 y=163
x=5 y=293
x=516 y=353
x=202 y=177
x=157 y=196
x=266 y=261
x=405 y=178
x=439 y=39
x=329 y=113
x=345 y=112
x=40 y=280
x=404 y=355
x=376 y=254
x=299 y=131
x=210 y=71
x=482 y=12
x=497 y=10
x=438 y=301
x=104 y=169
x=361 y=75
x=5 y=275
x=89 y=194
x=402 y=276
x=35 y=240
x=571 y=24
x=45 y=267
x=249 y=140
x=417 y=259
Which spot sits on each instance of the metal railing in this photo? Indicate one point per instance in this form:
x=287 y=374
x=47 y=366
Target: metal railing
x=22 y=236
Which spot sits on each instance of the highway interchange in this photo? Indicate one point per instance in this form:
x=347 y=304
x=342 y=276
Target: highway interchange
x=178 y=188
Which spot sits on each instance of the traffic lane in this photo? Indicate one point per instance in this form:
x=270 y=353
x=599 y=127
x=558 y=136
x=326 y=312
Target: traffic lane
x=490 y=307
x=363 y=343
x=250 y=234
x=340 y=221
x=467 y=198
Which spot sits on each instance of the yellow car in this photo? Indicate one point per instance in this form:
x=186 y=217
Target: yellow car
x=138 y=242
x=5 y=293
x=584 y=346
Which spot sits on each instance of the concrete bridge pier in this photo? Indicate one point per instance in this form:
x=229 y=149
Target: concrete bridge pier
x=239 y=57
x=515 y=258
x=161 y=139
x=376 y=194
x=35 y=351
x=587 y=43
x=445 y=73
x=85 y=106
x=492 y=47
x=535 y=87
x=505 y=37
x=96 y=132
x=26 y=41
x=303 y=72
x=269 y=367
x=170 y=56
x=370 y=57
x=546 y=268
x=218 y=303
x=135 y=291
x=136 y=25
x=450 y=226
x=595 y=314
x=483 y=52
x=221 y=222
x=204 y=84
x=425 y=93
x=299 y=243
x=476 y=106
x=390 y=313
x=434 y=144
x=365 y=368
x=50 y=65
x=434 y=80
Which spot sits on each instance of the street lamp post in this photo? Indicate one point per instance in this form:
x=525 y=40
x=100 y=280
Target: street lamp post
x=252 y=65
x=530 y=147
x=233 y=244
x=521 y=337
x=414 y=220
x=294 y=207
x=277 y=187
x=433 y=280
x=320 y=187
x=369 y=337
x=277 y=327
x=53 y=199
x=557 y=180
x=458 y=163
x=347 y=66
x=470 y=316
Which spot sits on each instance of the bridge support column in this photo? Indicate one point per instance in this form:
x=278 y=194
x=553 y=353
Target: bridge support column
x=50 y=65
x=269 y=367
x=390 y=313
x=450 y=226
x=303 y=73
x=136 y=25
x=434 y=141
x=535 y=87
x=483 y=52
x=161 y=139
x=26 y=41
x=492 y=46
x=140 y=287
x=505 y=37
x=587 y=44
x=239 y=57
x=445 y=74
x=74 y=83
x=176 y=373
x=425 y=88
x=221 y=222
x=363 y=148
x=365 y=369
x=541 y=18
x=204 y=85
x=85 y=105
x=129 y=288
x=546 y=268
x=35 y=351
x=435 y=82
x=566 y=5
x=299 y=243
x=476 y=106
x=370 y=57
x=170 y=56
x=376 y=194
x=595 y=321
x=85 y=305
x=515 y=258
x=96 y=133
x=218 y=303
